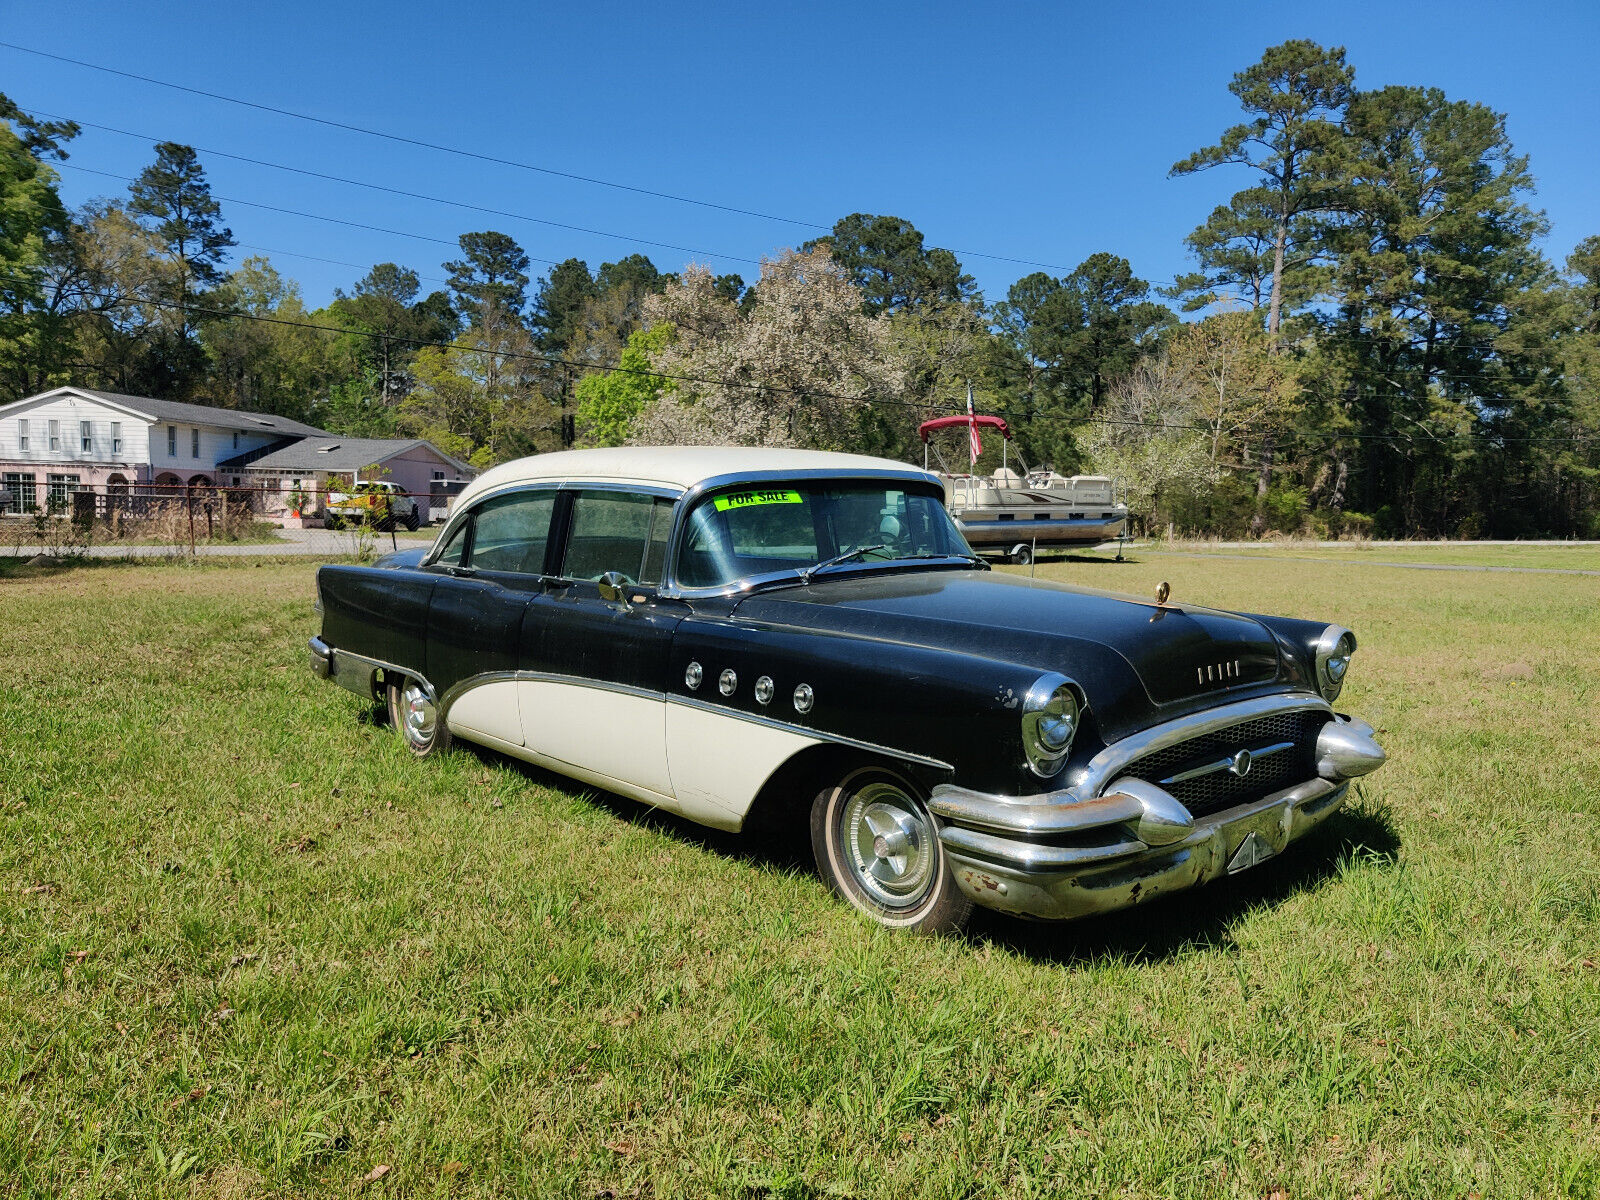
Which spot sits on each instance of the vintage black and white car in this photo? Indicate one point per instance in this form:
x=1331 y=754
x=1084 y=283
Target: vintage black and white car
x=804 y=641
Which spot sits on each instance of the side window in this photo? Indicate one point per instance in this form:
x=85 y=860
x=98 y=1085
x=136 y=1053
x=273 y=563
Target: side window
x=655 y=555
x=512 y=532
x=450 y=556
x=612 y=531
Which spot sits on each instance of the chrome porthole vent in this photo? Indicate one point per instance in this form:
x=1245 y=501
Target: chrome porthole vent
x=693 y=675
x=728 y=682
x=804 y=698
x=764 y=690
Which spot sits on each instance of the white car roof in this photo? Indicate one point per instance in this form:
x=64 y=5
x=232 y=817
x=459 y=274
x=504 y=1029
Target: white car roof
x=677 y=466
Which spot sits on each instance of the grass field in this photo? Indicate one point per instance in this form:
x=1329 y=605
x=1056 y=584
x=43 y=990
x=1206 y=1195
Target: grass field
x=1534 y=555
x=249 y=947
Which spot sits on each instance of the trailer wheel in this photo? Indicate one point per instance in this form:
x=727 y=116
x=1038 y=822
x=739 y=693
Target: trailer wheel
x=1022 y=554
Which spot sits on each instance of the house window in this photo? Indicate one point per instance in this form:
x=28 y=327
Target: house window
x=22 y=436
x=55 y=435
x=58 y=491
x=19 y=492
x=85 y=437
x=172 y=441
x=116 y=438
x=438 y=474
x=194 y=443
x=235 y=439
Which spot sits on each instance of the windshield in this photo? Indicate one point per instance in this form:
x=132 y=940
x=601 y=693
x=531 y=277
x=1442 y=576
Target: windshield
x=745 y=532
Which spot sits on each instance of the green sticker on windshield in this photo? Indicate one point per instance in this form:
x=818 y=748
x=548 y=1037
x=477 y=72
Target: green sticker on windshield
x=751 y=499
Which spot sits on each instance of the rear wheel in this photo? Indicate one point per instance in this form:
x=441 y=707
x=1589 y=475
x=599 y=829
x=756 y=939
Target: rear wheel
x=876 y=845
x=413 y=519
x=413 y=712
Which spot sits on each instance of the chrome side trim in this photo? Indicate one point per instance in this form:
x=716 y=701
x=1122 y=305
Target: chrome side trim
x=1091 y=778
x=456 y=690
x=1224 y=764
x=805 y=730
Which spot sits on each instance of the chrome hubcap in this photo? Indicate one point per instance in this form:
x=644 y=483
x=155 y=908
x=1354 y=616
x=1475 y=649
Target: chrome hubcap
x=417 y=714
x=888 y=842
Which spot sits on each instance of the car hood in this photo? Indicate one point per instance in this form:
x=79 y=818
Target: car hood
x=1095 y=638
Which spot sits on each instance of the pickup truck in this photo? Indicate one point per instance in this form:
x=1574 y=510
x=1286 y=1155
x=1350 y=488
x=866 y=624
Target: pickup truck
x=373 y=503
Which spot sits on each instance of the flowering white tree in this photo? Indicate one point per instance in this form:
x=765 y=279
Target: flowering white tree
x=804 y=366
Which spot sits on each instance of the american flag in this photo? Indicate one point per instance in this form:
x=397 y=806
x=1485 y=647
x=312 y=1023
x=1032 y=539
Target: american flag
x=976 y=445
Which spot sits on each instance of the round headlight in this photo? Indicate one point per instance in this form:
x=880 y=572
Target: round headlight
x=1333 y=651
x=1049 y=723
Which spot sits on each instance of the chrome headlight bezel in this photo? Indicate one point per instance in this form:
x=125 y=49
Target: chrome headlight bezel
x=1051 y=714
x=1334 y=647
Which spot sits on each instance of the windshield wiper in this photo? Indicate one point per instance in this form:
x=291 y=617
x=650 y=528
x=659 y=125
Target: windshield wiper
x=971 y=558
x=805 y=575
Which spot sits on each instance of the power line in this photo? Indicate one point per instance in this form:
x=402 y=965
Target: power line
x=332 y=262
x=489 y=158
x=294 y=212
x=480 y=208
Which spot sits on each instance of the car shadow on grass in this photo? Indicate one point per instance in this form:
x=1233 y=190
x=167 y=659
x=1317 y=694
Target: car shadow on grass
x=1363 y=832
x=1202 y=918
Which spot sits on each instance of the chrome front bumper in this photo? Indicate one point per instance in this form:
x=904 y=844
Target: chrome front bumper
x=1108 y=841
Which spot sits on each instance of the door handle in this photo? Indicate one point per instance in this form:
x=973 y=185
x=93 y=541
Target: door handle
x=461 y=572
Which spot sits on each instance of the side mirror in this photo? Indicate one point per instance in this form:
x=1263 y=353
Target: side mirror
x=613 y=585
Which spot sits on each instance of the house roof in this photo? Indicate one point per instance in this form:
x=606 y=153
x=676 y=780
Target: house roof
x=188 y=414
x=327 y=452
x=681 y=466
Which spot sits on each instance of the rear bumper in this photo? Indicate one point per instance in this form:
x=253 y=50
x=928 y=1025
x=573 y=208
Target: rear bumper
x=1083 y=851
x=356 y=672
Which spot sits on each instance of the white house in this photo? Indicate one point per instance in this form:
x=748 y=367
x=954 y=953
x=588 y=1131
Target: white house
x=72 y=439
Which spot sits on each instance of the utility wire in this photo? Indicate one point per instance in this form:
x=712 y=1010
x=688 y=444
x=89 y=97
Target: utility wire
x=332 y=262
x=294 y=212
x=912 y=407
x=394 y=191
x=489 y=158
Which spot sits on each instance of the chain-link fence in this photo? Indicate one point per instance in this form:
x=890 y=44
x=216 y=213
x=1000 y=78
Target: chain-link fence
x=145 y=520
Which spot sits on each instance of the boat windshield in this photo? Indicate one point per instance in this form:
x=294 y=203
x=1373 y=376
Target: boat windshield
x=786 y=530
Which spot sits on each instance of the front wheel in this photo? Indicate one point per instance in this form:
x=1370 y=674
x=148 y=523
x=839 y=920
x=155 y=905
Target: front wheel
x=413 y=519
x=413 y=712
x=876 y=845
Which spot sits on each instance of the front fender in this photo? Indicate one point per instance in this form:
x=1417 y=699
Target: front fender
x=958 y=714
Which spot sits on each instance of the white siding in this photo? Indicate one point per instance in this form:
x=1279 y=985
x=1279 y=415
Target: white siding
x=70 y=410
x=215 y=445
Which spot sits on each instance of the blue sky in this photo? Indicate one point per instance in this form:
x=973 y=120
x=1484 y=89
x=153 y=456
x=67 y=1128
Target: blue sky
x=1039 y=132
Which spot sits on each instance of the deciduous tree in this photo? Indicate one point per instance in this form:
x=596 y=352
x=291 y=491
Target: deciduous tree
x=804 y=367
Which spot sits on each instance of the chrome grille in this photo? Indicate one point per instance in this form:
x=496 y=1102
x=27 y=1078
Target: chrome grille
x=1213 y=792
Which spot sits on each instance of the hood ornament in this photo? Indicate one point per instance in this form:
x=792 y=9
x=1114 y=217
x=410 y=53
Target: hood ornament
x=1163 y=590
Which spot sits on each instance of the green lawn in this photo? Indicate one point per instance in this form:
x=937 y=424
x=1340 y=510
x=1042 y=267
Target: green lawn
x=249 y=947
x=1543 y=555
